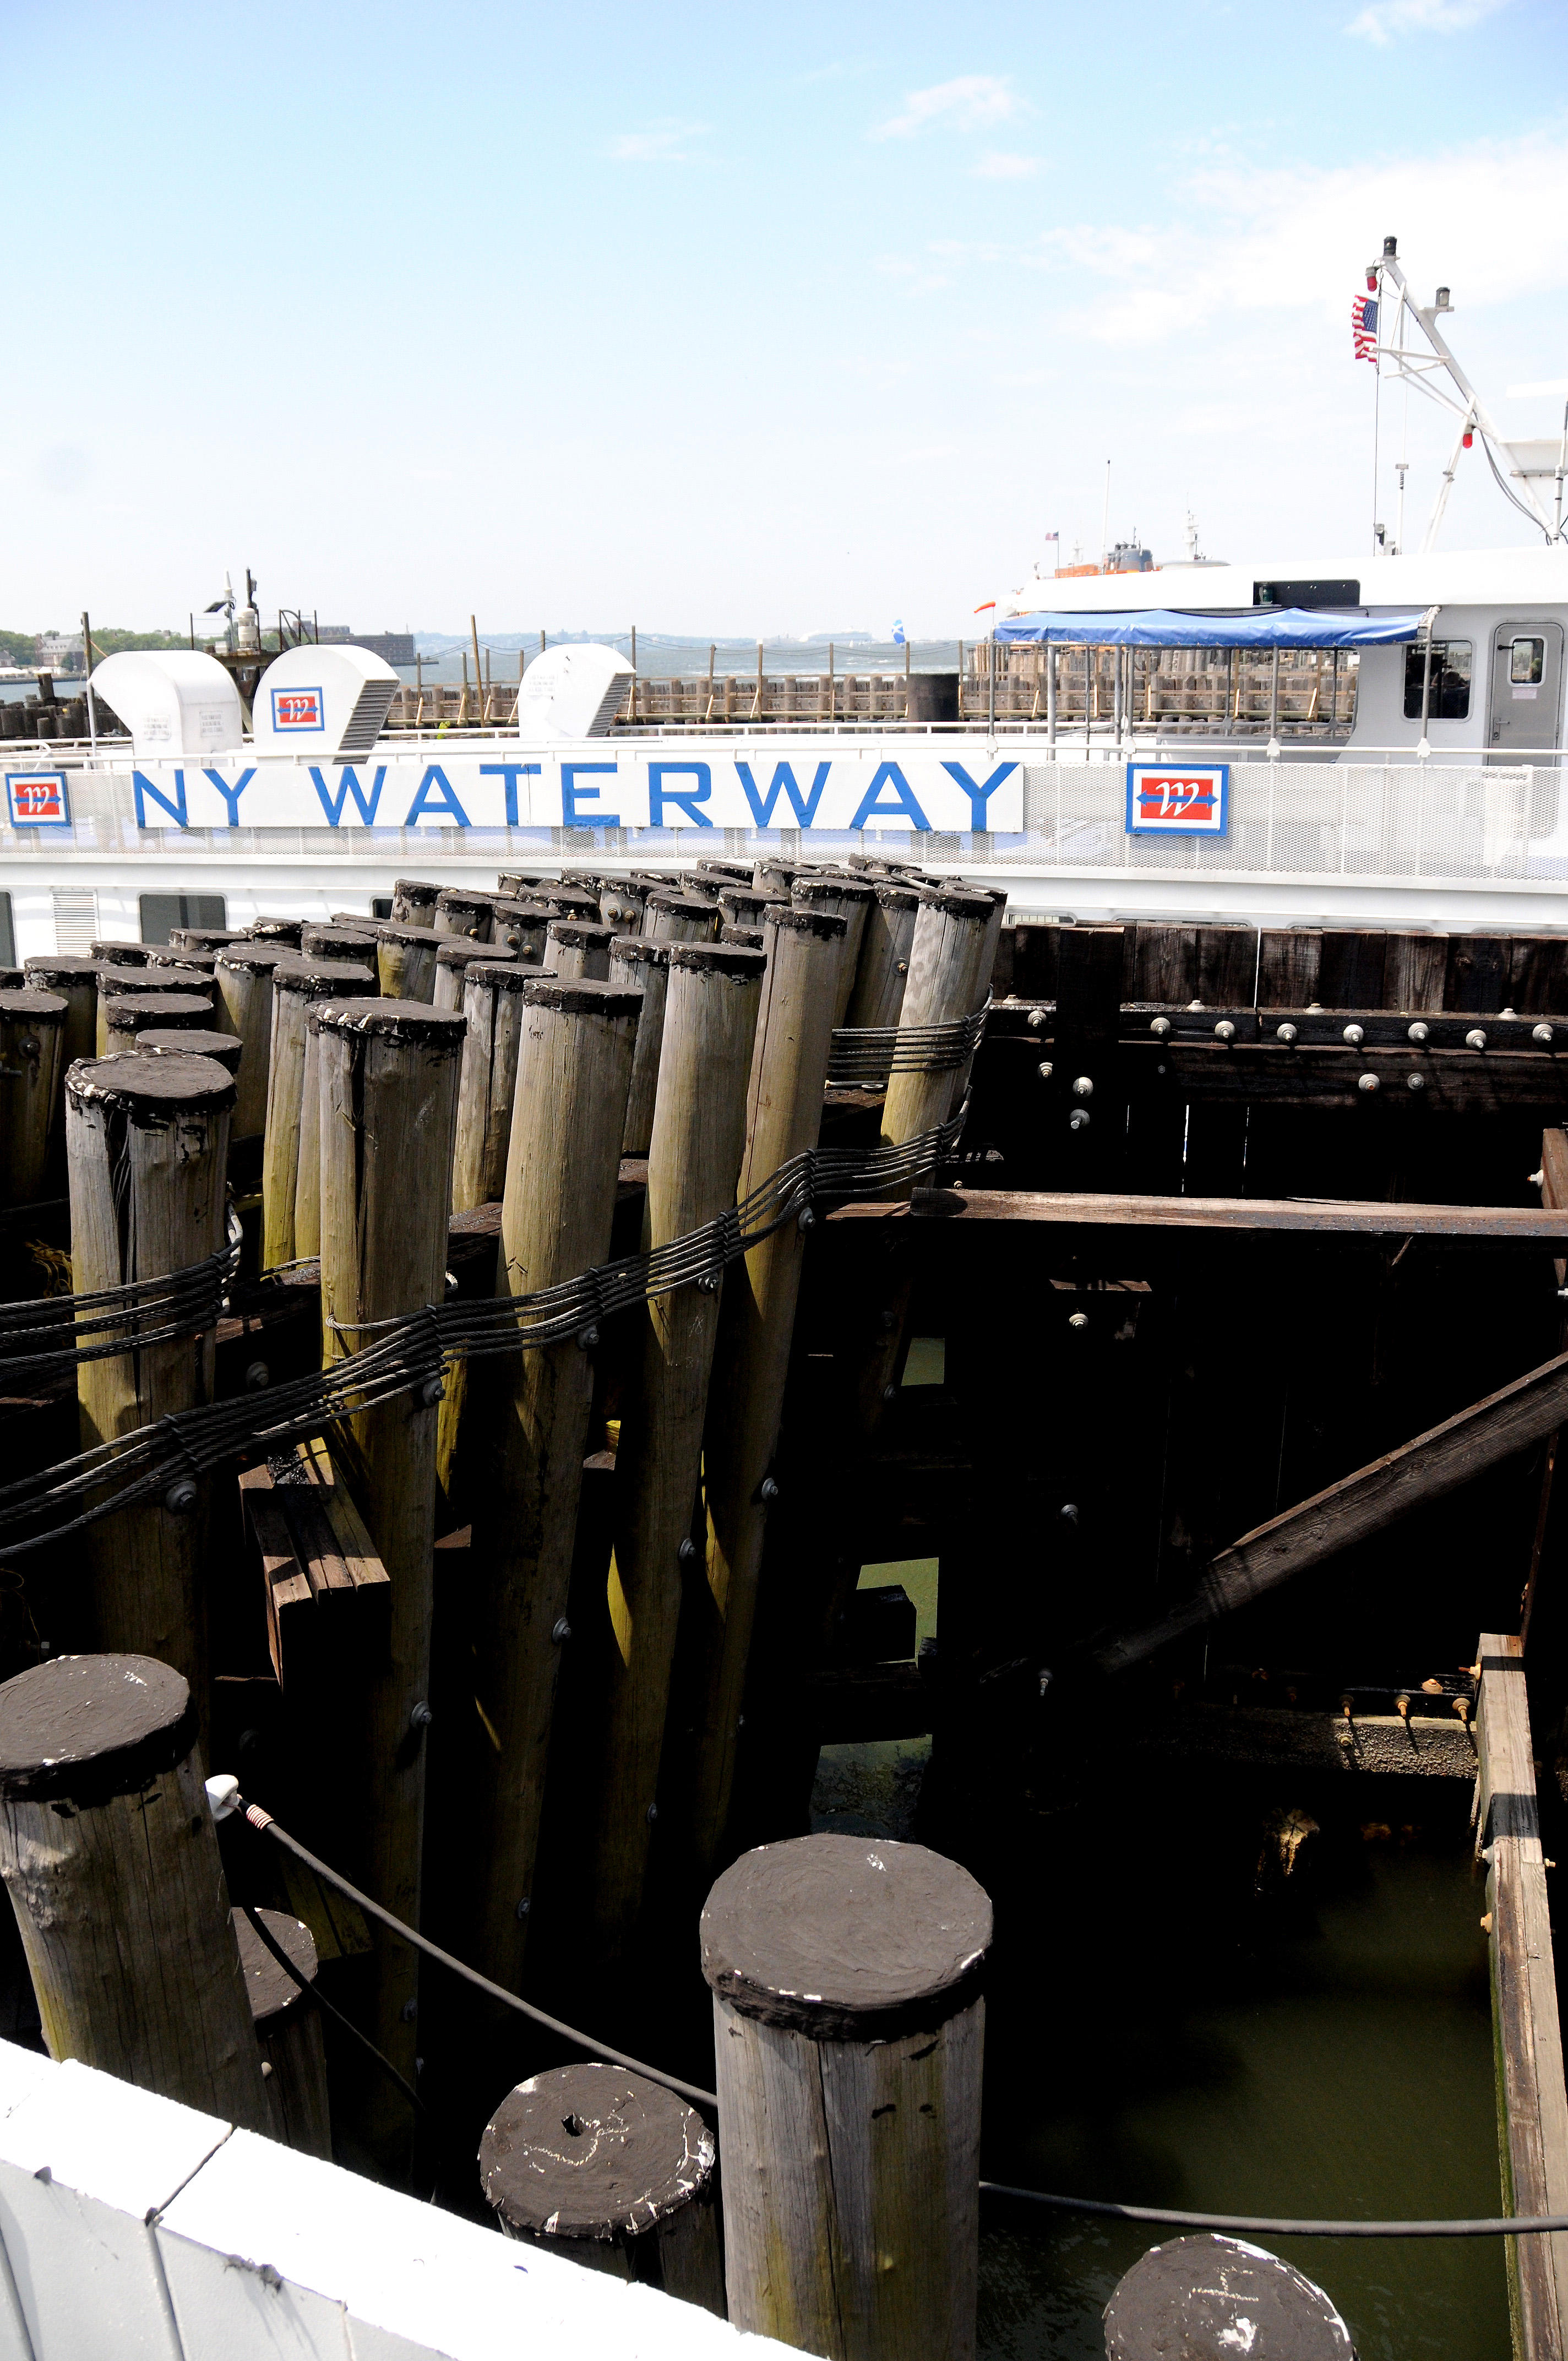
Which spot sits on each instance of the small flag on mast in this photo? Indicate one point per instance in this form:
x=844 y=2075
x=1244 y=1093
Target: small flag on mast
x=1364 y=328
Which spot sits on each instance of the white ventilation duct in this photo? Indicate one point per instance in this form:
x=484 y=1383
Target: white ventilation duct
x=174 y=702
x=572 y=692
x=322 y=703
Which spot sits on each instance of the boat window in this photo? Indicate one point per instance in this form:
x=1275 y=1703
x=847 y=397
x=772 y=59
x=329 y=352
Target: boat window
x=161 y=913
x=1451 y=660
x=1527 y=660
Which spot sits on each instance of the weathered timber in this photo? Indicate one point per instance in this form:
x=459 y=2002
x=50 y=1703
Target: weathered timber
x=883 y=976
x=296 y=983
x=110 y=1856
x=1213 y=2295
x=32 y=1042
x=621 y=903
x=414 y=902
x=453 y=962
x=289 y=2031
x=601 y=2166
x=316 y=1554
x=283 y=934
x=125 y=1019
x=1532 y=2104
x=575 y=947
x=147 y=1147
x=848 y=2030
x=357 y=944
x=574 y=1070
x=845 y=897
x=244 y=979
x=642 y=963
x=699 y=1128
x=673 y=917
x=1382 y=1745
x=1375 y=1496
x=1455 y=1082
x=520 y=926
x=492 y=1014
x=1545 y=1228
x=405 y=960
x=196 y=1042
x=128 y=982
x=459 y=911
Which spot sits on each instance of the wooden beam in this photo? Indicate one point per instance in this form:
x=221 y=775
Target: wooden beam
x=1375 y=1496
x=1545 y=1227
x=1532 y=2105
x=1289 y=1739
x=315 y=1554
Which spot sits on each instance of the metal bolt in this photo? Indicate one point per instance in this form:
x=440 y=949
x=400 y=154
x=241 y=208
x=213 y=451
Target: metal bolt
x=1542 y=1034
x=1078 y=1320
x=1418 y=1033
x=1083 y=1088
x=1044 y=1070
x=1355 y=1034
x=709 y=1283
x=560 y=1630
x=767 y=1489
x=1078 y=1119
x=1286 y=1033
x=806 y=1219
x=1069 y=1512
x=1224 y=1030
x=889 y=1323
x=422 y=1717
x=1415 y=1082
x=652 y=1814
x=686 y=1550
x=525 y=1905
x=409 y=2011
x=1037 y=1019
x=1367 y=1083
x=1194 y=1004
x=1160 y=1026
x=1475 y=1038
x=1538 y=1180
x=889 y=1393
x=181 y=1497
x=587 y=1337
x=432 y=1390
x=1508 y=1012
x=257 y=1376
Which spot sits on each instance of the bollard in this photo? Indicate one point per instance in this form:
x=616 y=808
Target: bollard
x=670 y=917
x=883 y=976
x=452 y=962
x=190 y=1042
x=125 y=1019
x=849 y=2038
x=288 y=2029
x=783 y=1114
x=405 y=961
x=1209 y=2298
x=564 y=901
x=147 y=1148
x=699 y=1132
x=110 y=1857
x=572 y=949
x=291 y=1150
x=460 y=912
x=611 y=2170
x=414 y=902
x=844 y=897
x=562 y=1168
x=519 y=928
x=32 y=1039
x=340 y=942
x=644 y=965
x=244 y=976
x=127 y=984
x=622 y=901
x=388 y=1105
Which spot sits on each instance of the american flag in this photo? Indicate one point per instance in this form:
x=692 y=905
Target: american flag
x=1364 y=328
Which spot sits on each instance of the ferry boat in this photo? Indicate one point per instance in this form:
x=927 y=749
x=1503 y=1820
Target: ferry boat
x=1288 y=739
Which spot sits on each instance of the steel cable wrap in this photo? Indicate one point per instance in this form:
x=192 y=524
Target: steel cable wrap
x=409 y=1354
x=128 y=1319
x=872 y=1052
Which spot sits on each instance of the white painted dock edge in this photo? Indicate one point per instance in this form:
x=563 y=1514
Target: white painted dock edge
x=133 y=2229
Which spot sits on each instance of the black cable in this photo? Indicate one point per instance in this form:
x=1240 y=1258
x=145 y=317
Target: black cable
x=263 y=1820
x=1251 y=2225
x=322 y=2001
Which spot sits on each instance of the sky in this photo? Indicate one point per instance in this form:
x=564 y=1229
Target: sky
x=745 y=321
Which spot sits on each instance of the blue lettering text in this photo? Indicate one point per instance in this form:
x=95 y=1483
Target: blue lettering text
x=436 y=784
x=903 y=806
x=802 y=806
x=510 y=772
x=231 y=796
x=143 y=787
x=686 y=800
x=978 y=795
x=348 y=784
x=572 y=796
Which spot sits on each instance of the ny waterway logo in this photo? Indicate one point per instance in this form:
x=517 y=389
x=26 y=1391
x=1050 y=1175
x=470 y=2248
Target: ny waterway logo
x=1192 y=799
x=297 y=709
x=37 y=799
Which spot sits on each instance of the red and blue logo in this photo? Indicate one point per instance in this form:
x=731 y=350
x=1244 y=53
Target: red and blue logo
x=298 y=708
x=37 y=799
x=1178 y=798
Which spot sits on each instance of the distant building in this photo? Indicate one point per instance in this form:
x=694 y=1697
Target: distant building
x=392 y=647
x=58 y=651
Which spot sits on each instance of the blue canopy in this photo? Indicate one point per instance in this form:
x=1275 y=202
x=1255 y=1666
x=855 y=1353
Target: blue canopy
x=1252 y=627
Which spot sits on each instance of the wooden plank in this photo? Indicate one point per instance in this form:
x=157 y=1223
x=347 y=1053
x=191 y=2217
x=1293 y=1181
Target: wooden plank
x=1166 y=963
x=1542 y=1227
x=1532 y=2104
x=1414 y=966
x=1350 y=967
x=1453 y=1082
x=1287 y=965
x=1363 y=1503
x=1538 y=974
x=1478 y=975
x=1227 y=965
x=1282 y=1738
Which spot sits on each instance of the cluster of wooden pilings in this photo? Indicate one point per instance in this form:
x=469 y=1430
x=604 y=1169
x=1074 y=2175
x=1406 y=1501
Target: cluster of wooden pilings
x=554 y=1073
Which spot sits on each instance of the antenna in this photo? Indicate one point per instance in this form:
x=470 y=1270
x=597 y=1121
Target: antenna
x=1105 y=524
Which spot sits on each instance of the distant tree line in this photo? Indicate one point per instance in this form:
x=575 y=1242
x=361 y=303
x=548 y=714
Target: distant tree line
x=21 y=648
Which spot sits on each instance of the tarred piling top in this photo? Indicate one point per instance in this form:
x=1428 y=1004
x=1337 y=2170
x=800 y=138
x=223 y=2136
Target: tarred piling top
x=591 y=2151
x=1210 y=2296
x=847 y=1939
x=92 y=1726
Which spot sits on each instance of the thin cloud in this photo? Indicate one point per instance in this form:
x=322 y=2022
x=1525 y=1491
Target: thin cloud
x=968 y=103
x=662 y=143
x=997 y=165
x=1383 y=21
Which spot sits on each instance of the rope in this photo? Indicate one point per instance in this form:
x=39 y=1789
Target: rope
x=413 y=1353
x=264 y=1821
x=1484 y=2226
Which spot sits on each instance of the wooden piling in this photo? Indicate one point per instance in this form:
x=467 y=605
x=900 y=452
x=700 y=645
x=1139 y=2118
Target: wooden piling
x=414 y=902
x=452 y=963
x=127 y=984
x=32 y=1042
x=743 y=906
x=699 y=1130
x=775 y=875
x=564 y=901
x=339 y=942
x=125 y=1020
x=611 y=2170
x=459 y=911
x=288 y=2029
x=201 y=963
x=147 y=1148
x=75 y=980
x=622 y=901
x=203 y=938
x=670 y=917
x=783 y=1114
x=848 y=2035
x=950 y=957
x=519 y=928
x=643 y=965
x=110 y=1857
x=574 y=948
x=194 y=1041
x=883 y=976
x=282 y=934
x=405 y=960
x=244 y=976
x=847 y=898
x=389 y=1077
x=574 y=1070
x=743 y=938
x=296 y=983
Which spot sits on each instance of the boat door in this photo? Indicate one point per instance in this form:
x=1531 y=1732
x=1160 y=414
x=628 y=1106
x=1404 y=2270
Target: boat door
x=1527 y=685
